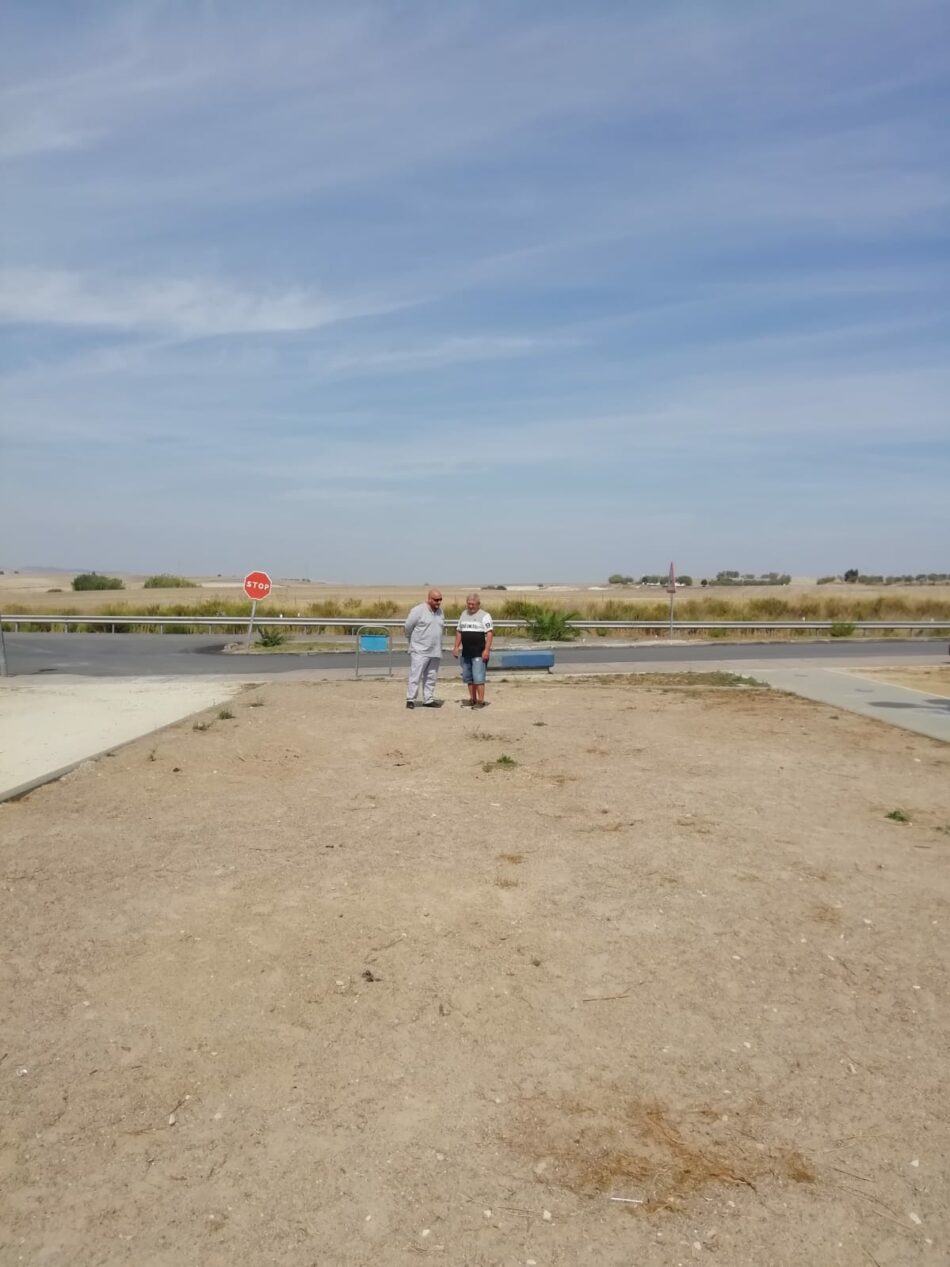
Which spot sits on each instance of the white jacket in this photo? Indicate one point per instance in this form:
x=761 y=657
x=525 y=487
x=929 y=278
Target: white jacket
x=424 y=629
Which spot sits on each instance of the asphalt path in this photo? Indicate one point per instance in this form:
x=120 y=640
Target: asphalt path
x=173 y=655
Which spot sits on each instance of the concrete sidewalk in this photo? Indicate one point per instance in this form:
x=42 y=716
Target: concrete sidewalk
x=920 y=711
x=47 y=728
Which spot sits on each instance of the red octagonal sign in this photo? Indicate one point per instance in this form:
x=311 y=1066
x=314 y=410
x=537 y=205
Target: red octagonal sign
x=257 y=585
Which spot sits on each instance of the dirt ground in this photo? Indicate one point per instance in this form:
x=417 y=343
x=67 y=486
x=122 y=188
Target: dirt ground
x=327 y=982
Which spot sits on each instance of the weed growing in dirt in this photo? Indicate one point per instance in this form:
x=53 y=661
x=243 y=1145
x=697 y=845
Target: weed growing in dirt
x=482 y=734
x=898 y=816
x=152 y=756
x=270 y=637
x=504 y=761
x=256 y=703
x=514 y=858
x=202 y=725
x=225 y=714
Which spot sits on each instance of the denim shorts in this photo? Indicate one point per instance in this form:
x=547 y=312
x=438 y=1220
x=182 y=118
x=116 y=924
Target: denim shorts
x=473 y=670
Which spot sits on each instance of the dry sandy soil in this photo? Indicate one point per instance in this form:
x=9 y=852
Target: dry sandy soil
x=326 y=984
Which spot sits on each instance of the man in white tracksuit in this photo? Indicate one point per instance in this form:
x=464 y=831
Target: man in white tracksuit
x=424 y=626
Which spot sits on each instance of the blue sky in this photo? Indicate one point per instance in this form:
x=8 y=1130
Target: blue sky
x=486 y=292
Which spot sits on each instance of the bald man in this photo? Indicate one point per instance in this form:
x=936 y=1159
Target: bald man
x=424 y=626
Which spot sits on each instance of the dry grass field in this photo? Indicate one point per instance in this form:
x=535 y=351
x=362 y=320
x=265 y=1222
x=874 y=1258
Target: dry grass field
x=327 y=982
x=51 y=592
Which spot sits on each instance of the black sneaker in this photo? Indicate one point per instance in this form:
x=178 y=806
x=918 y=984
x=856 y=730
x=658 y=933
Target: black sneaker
x=409 y=704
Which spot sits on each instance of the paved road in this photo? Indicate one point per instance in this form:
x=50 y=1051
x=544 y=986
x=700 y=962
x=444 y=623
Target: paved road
x=171 y=655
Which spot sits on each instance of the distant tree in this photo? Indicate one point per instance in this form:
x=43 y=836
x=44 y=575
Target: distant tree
x=93 y=581
x=851 y=575
x=619 y=579
x=685 y=580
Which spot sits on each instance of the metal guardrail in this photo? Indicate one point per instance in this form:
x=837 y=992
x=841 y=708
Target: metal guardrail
x=238 y=624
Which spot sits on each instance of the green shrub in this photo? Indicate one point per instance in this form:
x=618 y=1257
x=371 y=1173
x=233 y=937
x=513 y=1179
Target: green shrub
x=842 y=629
x=545 y=625
x=268 y=636
x=93 y=581
x=168 y=581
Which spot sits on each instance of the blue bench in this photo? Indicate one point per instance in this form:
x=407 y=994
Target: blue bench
x=522 y=660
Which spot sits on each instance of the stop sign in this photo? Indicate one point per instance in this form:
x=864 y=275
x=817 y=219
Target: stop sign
x=257 y=585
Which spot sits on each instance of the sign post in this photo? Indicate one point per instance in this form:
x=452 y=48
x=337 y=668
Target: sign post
x=256 y=586
x=671 y=590
x=3 y=652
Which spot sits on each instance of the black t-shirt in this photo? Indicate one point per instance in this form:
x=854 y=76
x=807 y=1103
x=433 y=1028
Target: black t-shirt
x=473 y=626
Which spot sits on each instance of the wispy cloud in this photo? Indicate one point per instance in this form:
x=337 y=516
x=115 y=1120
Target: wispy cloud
x=188 y=308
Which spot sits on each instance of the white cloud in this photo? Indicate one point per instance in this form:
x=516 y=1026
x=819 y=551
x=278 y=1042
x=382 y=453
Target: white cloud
x=184 y=307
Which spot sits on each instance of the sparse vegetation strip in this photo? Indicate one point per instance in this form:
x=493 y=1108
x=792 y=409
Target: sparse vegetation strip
x=715 y=679
x=166 y=581
x=547 y=621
